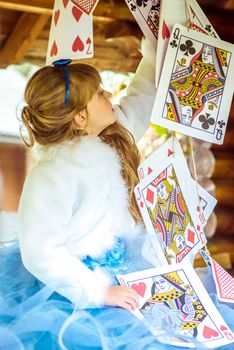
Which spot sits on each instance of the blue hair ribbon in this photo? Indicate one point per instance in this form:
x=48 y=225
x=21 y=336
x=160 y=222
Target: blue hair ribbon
x=63 y=63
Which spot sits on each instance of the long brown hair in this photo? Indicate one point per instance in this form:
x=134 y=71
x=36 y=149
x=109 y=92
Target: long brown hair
x=49 y=121
x=120 y=138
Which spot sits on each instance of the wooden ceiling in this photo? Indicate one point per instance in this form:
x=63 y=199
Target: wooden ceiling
x=25 y=24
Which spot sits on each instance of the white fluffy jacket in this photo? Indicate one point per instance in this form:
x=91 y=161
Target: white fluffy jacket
x=75 y=201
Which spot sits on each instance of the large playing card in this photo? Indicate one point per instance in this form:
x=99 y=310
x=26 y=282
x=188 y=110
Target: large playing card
x=172 y=149
x=166 y=201
x=146 y=13
x=71 y=33
x=177 y=307
x=185 y=12
x=195 y=94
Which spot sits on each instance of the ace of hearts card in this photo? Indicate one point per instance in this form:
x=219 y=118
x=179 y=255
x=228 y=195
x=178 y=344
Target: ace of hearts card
x=71 y=31
x=177 y=308
x=167 y=202
x=195 y=94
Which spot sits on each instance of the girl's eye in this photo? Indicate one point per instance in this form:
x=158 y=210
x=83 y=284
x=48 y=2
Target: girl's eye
x=100 y=93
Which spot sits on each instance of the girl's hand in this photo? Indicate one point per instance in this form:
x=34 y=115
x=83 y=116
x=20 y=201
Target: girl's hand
x=124 y=297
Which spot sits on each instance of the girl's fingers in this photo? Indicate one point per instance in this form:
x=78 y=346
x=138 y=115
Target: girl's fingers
x=131 y=292
x=126 y=306
x=134 y=303
x=134 y=295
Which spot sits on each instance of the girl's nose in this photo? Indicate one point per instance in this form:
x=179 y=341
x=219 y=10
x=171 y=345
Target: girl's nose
x=108 y=94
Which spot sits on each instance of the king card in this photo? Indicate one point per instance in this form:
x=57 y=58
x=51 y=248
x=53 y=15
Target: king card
x=195 y=94
x=177 y=307
x=76 y=41
x=146 y=14
x=166 y=201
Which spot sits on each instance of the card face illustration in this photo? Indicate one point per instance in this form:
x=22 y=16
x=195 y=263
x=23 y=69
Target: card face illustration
x=79 y=43
x=166 y=201
x=146 y=13
x=171 y=149
x=195 y=94
x=187 y=13
x=177 y=308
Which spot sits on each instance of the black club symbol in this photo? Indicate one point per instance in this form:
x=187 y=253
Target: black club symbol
x=206 y=121
x=141 y=2
x=173 y=43
x=208 y=28
x=133 y=7
x=157 y=7
x=221 y=124
x=188 y=48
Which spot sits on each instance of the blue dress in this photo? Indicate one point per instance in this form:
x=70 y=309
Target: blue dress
x=33 y=317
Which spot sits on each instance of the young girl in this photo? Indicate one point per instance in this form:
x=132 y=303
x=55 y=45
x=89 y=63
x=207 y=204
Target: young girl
x=78 y=218
x=77 y=204
x=79 y=221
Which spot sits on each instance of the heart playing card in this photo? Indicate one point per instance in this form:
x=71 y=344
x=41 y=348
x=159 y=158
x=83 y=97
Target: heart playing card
x=71 y=33
x=177 y=308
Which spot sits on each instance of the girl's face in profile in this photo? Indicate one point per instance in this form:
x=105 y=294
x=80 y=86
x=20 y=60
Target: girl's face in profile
x=100 y=112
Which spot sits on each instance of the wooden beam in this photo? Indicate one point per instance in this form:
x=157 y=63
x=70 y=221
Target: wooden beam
x=224 y=166
x=31 y=6
x=223 y=4
x=224 y=191
x=21 y=38
x=113 y=9
x=225 y=220
x=106 y=8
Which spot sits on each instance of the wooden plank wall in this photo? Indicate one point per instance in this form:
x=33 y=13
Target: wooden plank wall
x=12 y=175
x=223 y=178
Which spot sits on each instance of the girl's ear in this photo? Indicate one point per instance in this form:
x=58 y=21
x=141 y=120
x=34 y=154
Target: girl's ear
x=80 y=120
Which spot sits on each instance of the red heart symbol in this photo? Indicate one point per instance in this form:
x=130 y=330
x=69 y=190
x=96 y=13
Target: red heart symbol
x=78 y=45
x=88 y=41
x=165 y=31
x=149 y=170
x=209 y=332
x=54 y=49
x=77 y=13
x=56 y=16
x=140 y=288
x=169 y=152
x=223 y=328
x=65 y=2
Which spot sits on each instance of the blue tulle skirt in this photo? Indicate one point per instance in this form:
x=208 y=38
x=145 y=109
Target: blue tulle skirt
x=32 y=316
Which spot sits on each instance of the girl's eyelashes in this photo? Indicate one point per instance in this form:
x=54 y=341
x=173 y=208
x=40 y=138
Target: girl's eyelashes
x=100 y=93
